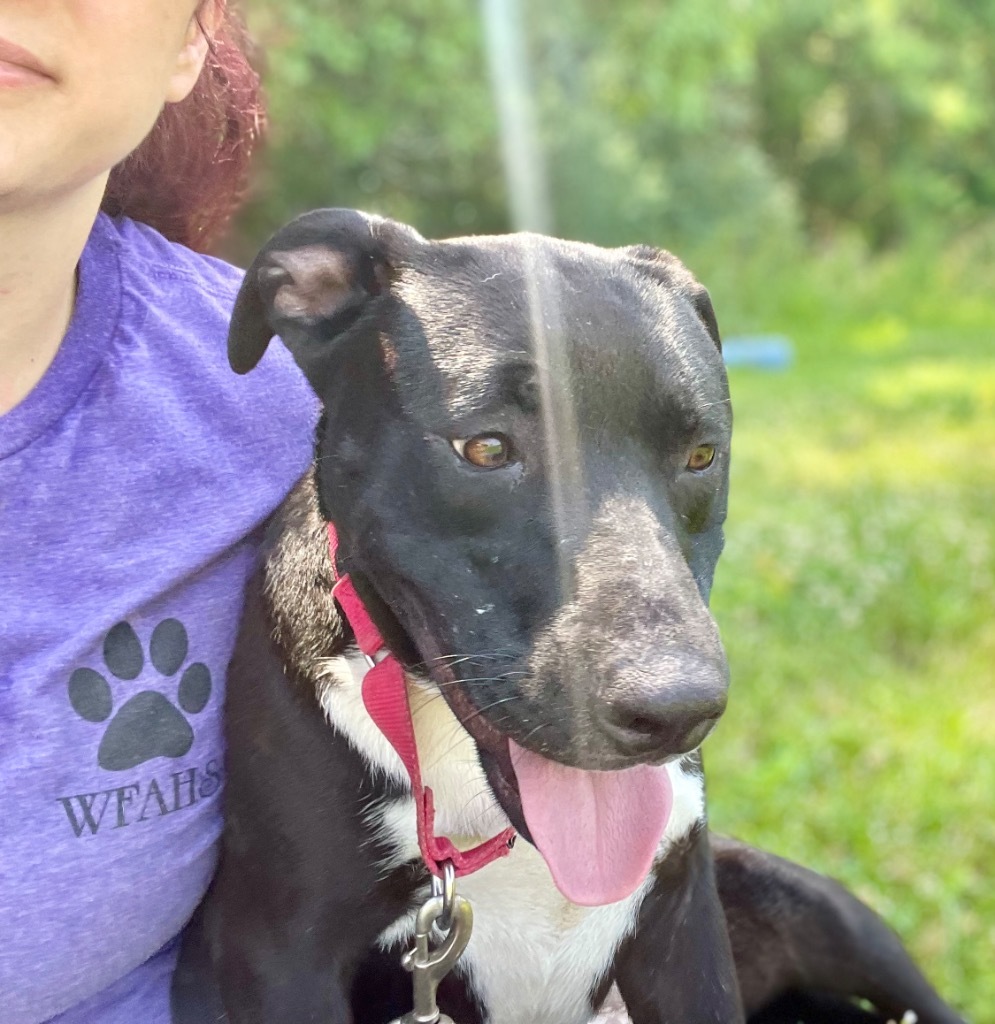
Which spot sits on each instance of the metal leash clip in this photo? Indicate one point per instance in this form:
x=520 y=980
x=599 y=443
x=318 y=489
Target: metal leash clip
x=446 y=913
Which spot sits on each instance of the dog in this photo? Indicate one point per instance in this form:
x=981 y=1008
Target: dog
x=524 y=451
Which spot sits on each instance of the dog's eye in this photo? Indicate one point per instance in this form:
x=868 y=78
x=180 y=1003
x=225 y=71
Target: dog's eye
x=486 y=451
x=701 y=458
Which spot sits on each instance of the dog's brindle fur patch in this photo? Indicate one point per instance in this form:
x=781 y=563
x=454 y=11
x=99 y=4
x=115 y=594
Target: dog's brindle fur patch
x=423 y=343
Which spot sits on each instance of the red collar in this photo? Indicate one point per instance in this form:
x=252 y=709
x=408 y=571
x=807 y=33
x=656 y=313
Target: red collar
x=385 y=695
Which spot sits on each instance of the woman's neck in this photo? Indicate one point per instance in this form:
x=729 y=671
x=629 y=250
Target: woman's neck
x=40 y=247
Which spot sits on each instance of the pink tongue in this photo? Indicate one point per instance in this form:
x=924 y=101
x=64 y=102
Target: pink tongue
x=598 y=831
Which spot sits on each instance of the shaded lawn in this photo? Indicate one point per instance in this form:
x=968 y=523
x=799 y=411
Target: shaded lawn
x=856 y=598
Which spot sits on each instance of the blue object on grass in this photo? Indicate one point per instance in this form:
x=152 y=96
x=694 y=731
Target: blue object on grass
x=761 y=351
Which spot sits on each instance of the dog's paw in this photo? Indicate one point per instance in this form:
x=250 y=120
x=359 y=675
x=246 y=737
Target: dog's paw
x=148 y=724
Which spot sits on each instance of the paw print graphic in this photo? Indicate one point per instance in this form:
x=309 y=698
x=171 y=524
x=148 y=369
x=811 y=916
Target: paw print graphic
x=148 y=724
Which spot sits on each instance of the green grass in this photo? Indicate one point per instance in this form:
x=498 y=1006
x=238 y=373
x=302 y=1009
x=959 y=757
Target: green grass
x=856 y=598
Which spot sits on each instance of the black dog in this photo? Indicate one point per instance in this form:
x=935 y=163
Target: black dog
x=524 y=450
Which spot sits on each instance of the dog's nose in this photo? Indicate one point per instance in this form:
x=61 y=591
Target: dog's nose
x=651 y=716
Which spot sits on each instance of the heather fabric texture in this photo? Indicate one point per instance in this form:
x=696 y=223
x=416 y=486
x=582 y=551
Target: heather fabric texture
x=134 y=481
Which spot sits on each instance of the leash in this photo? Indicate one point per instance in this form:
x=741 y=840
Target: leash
x=385 y=696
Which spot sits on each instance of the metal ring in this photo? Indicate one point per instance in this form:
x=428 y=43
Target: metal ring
x=374 y=659
x=446 y=888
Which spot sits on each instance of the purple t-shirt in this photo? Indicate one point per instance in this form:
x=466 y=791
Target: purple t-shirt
x=133 y=481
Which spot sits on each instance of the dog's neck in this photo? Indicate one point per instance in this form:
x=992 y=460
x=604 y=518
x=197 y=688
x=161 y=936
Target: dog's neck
x=307 y=622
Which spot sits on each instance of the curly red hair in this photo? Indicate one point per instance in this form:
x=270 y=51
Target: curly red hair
x=191 y=173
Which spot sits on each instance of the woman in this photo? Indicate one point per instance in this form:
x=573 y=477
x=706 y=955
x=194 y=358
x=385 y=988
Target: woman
x=135 y=471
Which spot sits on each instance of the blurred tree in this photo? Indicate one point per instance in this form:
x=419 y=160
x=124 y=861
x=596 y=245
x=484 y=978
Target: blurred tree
x=686 y=122
x=383 y=106
x=880 y=113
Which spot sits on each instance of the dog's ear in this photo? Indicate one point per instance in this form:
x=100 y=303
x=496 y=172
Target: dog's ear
x=312 y=281
x=668 y=269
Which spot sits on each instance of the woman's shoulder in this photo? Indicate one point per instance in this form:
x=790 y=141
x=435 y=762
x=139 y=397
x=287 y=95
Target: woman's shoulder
x=154 y=267
x=144 y=242
x=176 y=304
x=170 y=347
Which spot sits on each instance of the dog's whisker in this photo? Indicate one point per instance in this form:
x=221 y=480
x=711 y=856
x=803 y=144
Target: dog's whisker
x=459 y=736
x=480 y=679
x=484 y=796
x=439 y=668
x=488 y=707
x=532 y=732
x=500 y=652
x=459 y=659
x=449 y=661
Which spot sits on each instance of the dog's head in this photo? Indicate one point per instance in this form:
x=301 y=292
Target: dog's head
x=525 y=451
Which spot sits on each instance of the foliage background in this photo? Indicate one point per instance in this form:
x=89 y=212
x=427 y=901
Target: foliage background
x=829 y=171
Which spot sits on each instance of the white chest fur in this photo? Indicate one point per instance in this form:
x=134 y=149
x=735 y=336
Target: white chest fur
x=534 y=957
